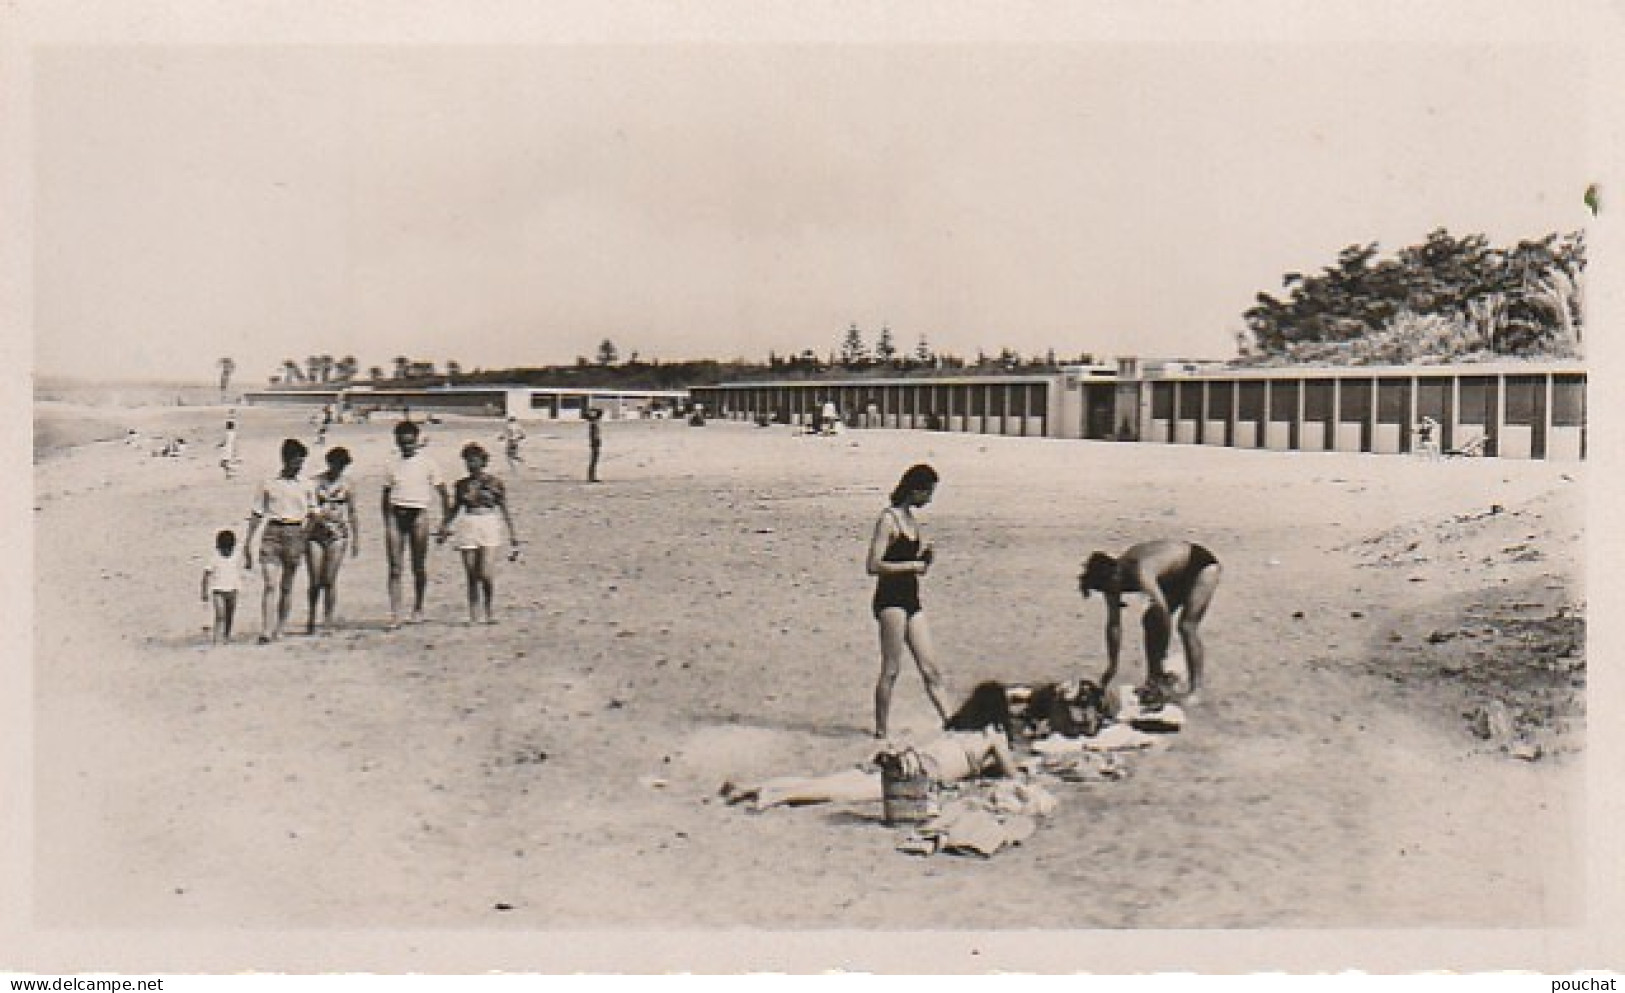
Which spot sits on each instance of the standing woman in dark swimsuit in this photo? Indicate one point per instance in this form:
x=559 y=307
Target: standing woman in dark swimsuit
x=898 y=557
x=1178 y=578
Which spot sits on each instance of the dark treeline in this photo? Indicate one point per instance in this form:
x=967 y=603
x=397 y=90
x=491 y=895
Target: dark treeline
x=1447 y=299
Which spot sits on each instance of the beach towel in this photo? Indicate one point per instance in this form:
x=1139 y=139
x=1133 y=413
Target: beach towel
x=1112 y=738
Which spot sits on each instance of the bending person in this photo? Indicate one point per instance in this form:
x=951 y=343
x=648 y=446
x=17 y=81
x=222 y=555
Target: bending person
x=1177 y=577
x=898 y=556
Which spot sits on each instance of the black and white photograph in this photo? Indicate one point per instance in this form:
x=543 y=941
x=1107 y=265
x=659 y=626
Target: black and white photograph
x=780 y=488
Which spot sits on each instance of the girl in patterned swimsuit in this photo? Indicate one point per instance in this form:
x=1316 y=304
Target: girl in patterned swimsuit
x=481 y=500
x=335 y=529
x=898 y=557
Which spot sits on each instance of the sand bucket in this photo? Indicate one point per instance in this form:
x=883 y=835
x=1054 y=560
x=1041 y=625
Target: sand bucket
x=906 y=798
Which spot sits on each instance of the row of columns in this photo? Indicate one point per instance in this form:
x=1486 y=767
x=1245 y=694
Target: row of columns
x=1542 y=438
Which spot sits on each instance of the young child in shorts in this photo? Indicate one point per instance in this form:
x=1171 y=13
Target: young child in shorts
x=222 y=578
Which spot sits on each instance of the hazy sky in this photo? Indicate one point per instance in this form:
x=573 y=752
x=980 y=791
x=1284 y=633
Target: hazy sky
x=515 y=205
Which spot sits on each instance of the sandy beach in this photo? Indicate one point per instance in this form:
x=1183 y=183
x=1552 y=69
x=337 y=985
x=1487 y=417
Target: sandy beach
x=702 y=616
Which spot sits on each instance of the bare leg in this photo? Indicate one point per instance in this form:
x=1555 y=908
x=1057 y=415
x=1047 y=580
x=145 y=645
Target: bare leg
x=226 y=606
x=893 y=630
x=419 y=540
x=394 y=550
x=316 y=567
x=471 y=572
x=1157 y=634
x=271 y=569
x=847 y=786
x=925 y=657
x=487 y=580
x=330 y=579
x=1190 y=621
x=284 y=603
x=217 y=633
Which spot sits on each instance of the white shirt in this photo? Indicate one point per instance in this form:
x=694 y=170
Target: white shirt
x=224 y=576
x=412 y=481
x=283 y=499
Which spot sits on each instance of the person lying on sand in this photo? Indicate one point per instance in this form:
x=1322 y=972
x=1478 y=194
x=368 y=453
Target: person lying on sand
x=1030 y=711
x=1177 y=577
x=955 y=756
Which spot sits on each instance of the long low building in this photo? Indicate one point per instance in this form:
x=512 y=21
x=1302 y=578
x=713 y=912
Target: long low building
x=1512 y=410
x=527 y=403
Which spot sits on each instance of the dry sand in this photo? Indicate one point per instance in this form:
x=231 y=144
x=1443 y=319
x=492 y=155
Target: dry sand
x=702 y=616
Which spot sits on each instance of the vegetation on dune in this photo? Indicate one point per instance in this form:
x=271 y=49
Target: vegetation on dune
x=1448 y=299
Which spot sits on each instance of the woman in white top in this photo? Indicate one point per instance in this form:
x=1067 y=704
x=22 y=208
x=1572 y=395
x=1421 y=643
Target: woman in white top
x=482 y=501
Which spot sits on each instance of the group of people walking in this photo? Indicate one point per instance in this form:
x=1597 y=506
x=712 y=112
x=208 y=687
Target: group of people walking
x=316 y=522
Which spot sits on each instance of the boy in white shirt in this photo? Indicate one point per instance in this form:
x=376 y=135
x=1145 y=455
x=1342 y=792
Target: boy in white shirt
x=221 y=581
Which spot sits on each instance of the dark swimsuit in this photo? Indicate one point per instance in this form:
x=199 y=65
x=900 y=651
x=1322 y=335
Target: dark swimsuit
x=1176 y=589
x=899 y=590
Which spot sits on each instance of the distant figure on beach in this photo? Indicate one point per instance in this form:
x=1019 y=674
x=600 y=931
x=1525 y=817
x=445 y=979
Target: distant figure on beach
x=228 y=446
x=595 y=441
x=336 y=529
x=481 y=500
x=326 y=422
x=829 y=418
x=414 y=482
x=284 y=506
x=132 y=437
x=1177 y=577
x=1427 y=438
x=222 y=579
x=898 y=556
x=512 y=437
x=172 y=449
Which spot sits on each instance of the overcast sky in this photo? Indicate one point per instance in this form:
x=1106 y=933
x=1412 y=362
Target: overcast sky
x=504 y=205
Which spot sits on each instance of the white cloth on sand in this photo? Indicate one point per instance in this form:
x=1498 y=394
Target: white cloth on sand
x=1112 y=738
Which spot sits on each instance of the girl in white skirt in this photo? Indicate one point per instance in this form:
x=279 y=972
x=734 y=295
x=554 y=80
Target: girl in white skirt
x=479 y=514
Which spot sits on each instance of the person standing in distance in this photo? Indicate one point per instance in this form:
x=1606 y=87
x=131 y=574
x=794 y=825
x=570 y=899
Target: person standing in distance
x=595 y=441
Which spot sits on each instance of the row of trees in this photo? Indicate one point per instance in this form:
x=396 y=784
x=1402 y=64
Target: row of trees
x=1447 y=299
